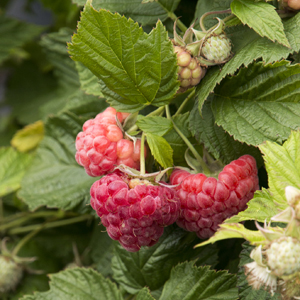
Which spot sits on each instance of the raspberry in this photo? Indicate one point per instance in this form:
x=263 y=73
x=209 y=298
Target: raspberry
x=216 y=49
x=283 y=256
x=101 y=146
x=189 y=73
x=133 y=211
x=207 y=202
x=10 y=274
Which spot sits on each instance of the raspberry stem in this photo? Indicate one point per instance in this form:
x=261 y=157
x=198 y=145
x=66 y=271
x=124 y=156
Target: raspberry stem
x=188 y=143
x=25 y=240
x=187 y=99
x=47 y=225
x=180 y=25
x=21 y=218
x=142 y=155
x=227 y=11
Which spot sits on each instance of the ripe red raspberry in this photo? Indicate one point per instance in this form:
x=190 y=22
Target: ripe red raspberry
x=101 y=146
x=133 y=211
x=206 y=202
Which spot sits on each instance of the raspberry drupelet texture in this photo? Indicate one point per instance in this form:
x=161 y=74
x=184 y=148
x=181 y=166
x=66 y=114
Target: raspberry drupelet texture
x=189 y=72
x=133 y=211
x=101 y=146
x=206 y=202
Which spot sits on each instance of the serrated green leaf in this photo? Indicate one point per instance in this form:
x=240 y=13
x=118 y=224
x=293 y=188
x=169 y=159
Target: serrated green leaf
x=155 y=125
x=139 y=71
x=160 y=149
x=144 y=294
x=235 y=230
x=152 y=266
x=191 y=283
x=283 y=166
x=250 y=47
x=13 y=165
x=217 y=141
x=13 y=34
x=88 y=81
x=55 y=46
x=261 y=103
x=78 y=284
x=246 y=292
x=29 y=137
x=262 y=18
x=55 y=179
x=146 y=14
x=261 y=208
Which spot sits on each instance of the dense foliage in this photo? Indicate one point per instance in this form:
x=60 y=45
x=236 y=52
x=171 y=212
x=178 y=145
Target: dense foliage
x=96 y=54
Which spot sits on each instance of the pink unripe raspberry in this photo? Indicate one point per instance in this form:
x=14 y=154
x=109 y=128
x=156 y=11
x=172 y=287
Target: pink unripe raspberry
x=133 y=211
x=207 y=202
x=101 y=146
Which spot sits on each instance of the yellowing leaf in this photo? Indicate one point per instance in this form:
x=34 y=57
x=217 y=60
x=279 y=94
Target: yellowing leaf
x=235 y=230
x=29 y=137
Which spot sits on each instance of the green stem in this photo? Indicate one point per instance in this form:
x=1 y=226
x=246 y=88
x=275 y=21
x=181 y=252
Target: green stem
x=188 y=143
x=227 y=11
x=180 y=25
x=1 y=211
x=156 y=112
x=39 y=214
x=142 y=155
x=186 y=100
x=49 y=224
x=25 y=240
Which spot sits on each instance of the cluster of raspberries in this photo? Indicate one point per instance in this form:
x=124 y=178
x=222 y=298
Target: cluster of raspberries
x=134 y=210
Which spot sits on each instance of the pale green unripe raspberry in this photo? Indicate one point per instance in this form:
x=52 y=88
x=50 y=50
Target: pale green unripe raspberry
x=283 y=256
x=189 y=72
x=216 y=48
x=10 y=274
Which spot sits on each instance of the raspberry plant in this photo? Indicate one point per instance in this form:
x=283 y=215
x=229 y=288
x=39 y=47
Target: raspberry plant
x=153 y=146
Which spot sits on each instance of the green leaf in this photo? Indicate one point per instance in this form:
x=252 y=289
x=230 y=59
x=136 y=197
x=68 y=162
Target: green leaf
x=78 y=284
x=155 y=125
x=262 y=17
x=102 y=247
x=191 y=283
x=283 y=166
x=27 y=90
x=160 y=149
x=83 y=105
x=250 y=47
x=13 y=166
x=246 y=292
x=261 y=208
x=13 y=34
x=54 y=44
x=88 y=81
x=260 y=103
x=144 y=294
x=146 y=14
x=176 y=142
x=139 y=71
x=234 y=230
x=217 y=141
x=55 y=179
x=151 y=266
x=204 y=6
